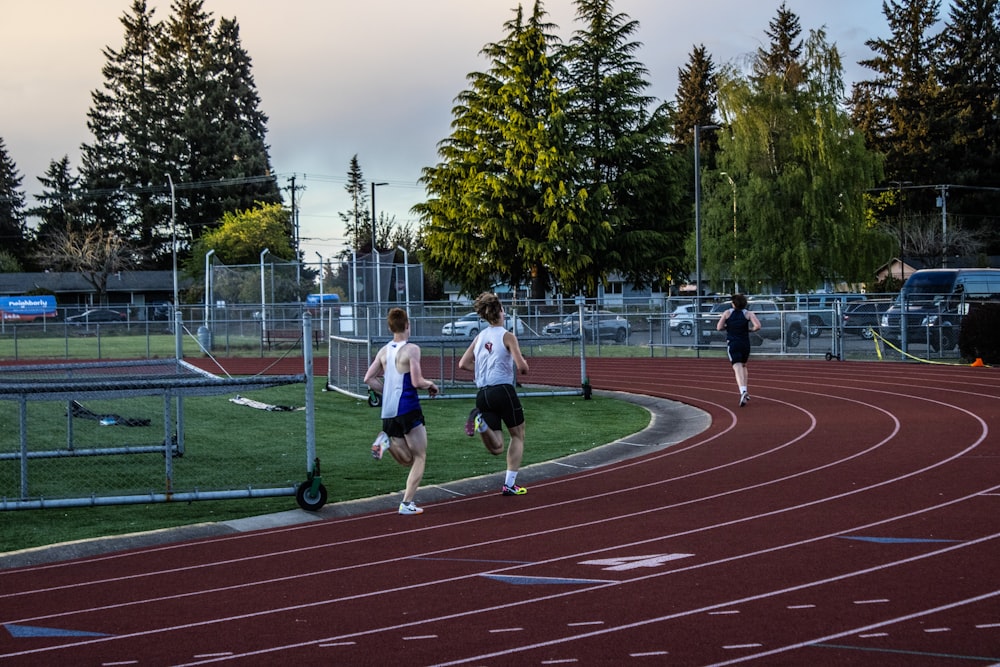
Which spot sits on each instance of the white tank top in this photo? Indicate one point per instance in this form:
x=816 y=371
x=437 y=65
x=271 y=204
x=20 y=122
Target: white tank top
x=494 y=365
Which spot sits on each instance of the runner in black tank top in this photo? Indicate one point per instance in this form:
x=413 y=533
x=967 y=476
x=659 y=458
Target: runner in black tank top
x=739 y=323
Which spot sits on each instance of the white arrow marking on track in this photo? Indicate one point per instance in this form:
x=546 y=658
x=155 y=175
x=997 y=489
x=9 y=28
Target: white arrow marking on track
x=633 y=562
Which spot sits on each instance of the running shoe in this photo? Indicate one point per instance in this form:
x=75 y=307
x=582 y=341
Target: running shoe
x=380 y=445
x=479 y=425
x=744 y=397
x=513 y=490
x=409 y=508
x=472 y=423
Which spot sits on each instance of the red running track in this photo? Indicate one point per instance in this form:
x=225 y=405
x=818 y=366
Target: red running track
x=850 y=515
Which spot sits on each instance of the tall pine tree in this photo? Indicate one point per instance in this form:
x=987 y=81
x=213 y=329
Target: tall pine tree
x=13 y=232
x=970 y=74
x=696 y=97
x=898 y=110
x=501 y=204
x=118 y=168
x=178 y=104
x=620 y=140
x=60 y=207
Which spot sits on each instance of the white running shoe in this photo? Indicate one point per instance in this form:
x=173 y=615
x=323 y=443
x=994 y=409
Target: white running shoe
x=409 y=508
x=744 y=397
x=381 y=444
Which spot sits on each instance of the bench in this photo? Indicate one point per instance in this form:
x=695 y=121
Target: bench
x=274 y=337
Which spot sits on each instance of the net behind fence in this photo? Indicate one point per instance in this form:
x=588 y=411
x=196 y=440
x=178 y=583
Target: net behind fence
x=349 y=359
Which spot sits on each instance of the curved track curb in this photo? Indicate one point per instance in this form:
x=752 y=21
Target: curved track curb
x=671 y=422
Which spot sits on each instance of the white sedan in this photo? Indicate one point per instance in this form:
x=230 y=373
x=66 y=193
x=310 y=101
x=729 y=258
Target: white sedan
x=470 y=324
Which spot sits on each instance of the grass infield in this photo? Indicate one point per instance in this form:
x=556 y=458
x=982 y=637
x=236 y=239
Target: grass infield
x=242 y=441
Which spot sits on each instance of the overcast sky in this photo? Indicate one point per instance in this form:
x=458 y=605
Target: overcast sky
x=376 y=79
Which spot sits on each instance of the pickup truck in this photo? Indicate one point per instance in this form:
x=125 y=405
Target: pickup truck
x=774 y=323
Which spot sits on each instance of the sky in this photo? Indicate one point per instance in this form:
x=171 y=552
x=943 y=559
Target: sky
x=376 y=79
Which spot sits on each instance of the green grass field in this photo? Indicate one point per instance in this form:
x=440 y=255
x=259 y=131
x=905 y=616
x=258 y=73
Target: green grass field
x=227 y=444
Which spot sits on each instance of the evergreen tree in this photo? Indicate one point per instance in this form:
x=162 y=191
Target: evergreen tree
x=783 y=57
x=696 y=97
x=798 y=171
x=898 y=110
x=119 y=166
x=210 y=131
x=13 y=231
x=501 y=203
x=178 y=104
x=970 y=74
x=60 y=208
x=242 y=154
x=632 y=182
x=357 y=221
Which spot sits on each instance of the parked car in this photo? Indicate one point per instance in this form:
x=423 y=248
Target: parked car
x=470 y=324
x=822 y=308
x=682 y=318
x=774 y=323
x=862 y=319
x=97 y=316
x=603 y=323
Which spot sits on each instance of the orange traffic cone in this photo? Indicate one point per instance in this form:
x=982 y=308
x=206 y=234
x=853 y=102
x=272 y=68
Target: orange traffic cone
x=978 y=362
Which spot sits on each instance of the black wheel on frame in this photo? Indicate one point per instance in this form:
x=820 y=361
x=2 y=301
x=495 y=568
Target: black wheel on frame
x=309 y=499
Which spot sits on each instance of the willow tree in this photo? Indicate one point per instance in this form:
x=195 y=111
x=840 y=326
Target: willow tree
x=798 y=172
x=501 y=205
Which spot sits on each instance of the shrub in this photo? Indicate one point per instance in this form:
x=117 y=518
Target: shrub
x=978 y=337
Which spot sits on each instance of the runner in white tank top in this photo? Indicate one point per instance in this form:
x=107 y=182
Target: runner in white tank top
x=493 y=355
x=397 y=375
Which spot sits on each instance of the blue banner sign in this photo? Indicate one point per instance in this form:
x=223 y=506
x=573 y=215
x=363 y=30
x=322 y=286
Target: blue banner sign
x=27 y=308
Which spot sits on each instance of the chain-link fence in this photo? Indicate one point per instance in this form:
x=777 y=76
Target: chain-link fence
x=799 y=325
x=100 y=433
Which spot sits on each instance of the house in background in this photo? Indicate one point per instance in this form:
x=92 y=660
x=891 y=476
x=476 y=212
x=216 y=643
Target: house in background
x=133 y=290
x=900 y=269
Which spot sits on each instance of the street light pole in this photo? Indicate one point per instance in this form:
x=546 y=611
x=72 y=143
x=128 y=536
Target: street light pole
x=736 y=284
x=263 y=297
x=697 y=227
x=899 y=224
x=321 y=301
x=378 y=259
x=208 y=283
x=175 y=313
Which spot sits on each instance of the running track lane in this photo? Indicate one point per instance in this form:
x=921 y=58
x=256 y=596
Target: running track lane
x=849 y=515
